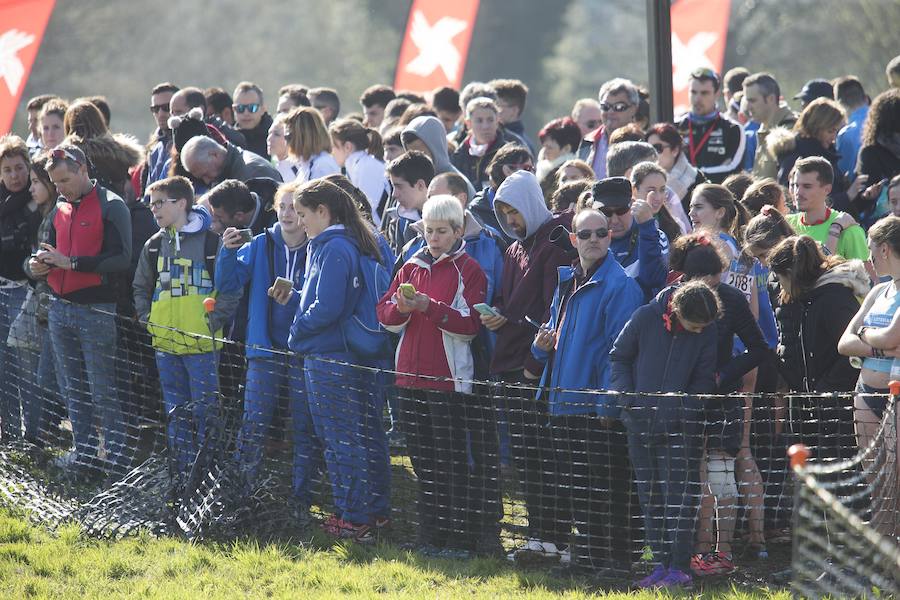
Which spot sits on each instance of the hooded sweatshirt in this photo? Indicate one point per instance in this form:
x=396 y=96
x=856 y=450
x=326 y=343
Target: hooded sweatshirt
x=529 y=277
x=172 y=302
x=432 y=133
x=112 y=157
x=258 y=263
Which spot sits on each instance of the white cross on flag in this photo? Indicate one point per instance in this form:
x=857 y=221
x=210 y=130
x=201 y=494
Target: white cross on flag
x=22 y=25
x=699 y=32
x=435 y=46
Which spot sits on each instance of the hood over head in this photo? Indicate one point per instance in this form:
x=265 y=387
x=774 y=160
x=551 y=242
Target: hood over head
x=522 y=191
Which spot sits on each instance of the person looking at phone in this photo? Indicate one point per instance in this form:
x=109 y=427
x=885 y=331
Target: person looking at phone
x=524 y=292
x=434 y=313
x=270 y=268
x=173 y=278
x=592 y=303
x=232 y=204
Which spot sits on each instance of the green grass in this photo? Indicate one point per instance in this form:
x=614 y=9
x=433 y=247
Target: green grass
x=37 y=564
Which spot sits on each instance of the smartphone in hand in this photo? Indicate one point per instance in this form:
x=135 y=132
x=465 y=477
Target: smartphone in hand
x=486 y=310
x=283 y=285
x=408 y=290
x=246 y=235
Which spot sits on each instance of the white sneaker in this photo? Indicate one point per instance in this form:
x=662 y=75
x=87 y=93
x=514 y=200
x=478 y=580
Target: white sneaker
x=538 y=549
x=66 y=460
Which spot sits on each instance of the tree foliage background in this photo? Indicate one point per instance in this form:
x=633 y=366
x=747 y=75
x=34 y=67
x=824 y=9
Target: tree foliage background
x=563 y=49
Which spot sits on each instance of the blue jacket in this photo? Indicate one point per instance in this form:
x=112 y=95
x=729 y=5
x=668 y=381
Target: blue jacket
x=331 y=288
x=599 y=309
x=644 y=253
x=483 y=243
x=482 y=206
x=849 y=141
x=648 y=358
x=268 y=322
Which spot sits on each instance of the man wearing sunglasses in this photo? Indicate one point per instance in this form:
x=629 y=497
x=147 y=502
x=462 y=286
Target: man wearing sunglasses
x=712 y=142
x=592 y=303
x=89 y=244
x=637 y=243
x=161 y=140
x=251 y=117
x=619 y=100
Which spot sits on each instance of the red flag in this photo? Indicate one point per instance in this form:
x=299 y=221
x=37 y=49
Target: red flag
x=699 y=32
x=435 y=45
x=22 y=24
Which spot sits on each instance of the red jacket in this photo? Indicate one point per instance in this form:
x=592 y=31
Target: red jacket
x=437 y=342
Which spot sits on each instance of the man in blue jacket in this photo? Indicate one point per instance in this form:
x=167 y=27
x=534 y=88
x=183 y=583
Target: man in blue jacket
x=594 y=300
x=637 y=243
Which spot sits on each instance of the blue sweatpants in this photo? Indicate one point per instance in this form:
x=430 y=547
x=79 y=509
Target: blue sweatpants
x=339 y=411
x=189 y=383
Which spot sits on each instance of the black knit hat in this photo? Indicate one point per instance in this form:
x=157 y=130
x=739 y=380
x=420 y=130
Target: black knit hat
x=186 y=127
x=612 y=192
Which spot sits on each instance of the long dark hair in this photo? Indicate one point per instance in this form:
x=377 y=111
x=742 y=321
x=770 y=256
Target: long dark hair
x=343 y=209
x=698 y=255
x=799 y=260
x=718 y=197
x=765 y=230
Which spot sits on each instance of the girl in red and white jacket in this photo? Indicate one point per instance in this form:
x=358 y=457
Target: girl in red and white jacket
x=435 y=367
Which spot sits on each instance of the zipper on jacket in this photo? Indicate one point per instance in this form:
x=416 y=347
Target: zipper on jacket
x=668 y=358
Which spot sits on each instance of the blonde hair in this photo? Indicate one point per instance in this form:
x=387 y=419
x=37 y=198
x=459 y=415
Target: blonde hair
x=444 y=207
x=819 y=115
x=306 y=133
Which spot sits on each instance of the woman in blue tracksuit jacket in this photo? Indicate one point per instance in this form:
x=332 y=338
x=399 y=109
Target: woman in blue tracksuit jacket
x=280 y=251
x=668 y=346
x=337 y=410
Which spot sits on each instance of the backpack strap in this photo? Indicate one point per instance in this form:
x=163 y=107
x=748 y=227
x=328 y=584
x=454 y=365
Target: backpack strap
x=210 y=251
x=153 y=248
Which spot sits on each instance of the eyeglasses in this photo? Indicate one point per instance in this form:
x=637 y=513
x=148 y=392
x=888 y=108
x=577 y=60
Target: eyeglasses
x=523 y=166
x=619 y=211
x=585 y=234
x=63 y=154
x=659 y=147
x=617 y=107
x=159 y=202
x=155 y=108
x=593 y=123
x=242 y=108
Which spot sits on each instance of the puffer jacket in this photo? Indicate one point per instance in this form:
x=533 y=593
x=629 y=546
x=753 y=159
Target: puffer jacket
x=809 y=329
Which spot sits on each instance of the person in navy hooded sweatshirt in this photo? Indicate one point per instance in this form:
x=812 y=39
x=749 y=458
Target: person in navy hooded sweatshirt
x=335 y=406
x=279 y=251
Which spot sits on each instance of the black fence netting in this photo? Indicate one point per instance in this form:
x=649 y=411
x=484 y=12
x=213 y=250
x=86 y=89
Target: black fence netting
x=118 y=430
x=845 y=545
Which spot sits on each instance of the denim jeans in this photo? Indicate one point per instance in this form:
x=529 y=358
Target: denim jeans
x=41 y=402
x=189 y=383
x=84 y=341
x=11 y=300
x=665 y=447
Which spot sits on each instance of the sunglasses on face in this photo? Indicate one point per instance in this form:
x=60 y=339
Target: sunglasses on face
x=242 y=108
x=585 y=234
x=659 y=148
x=617 y=107
x=619 y=211
x=155 y=108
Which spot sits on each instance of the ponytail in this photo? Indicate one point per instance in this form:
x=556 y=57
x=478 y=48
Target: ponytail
x=361 y=137
x=343 y=211
x=801 y=262
x=765 y=230
x=697 y=255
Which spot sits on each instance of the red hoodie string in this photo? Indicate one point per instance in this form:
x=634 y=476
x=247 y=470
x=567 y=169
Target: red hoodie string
x=693 y=152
